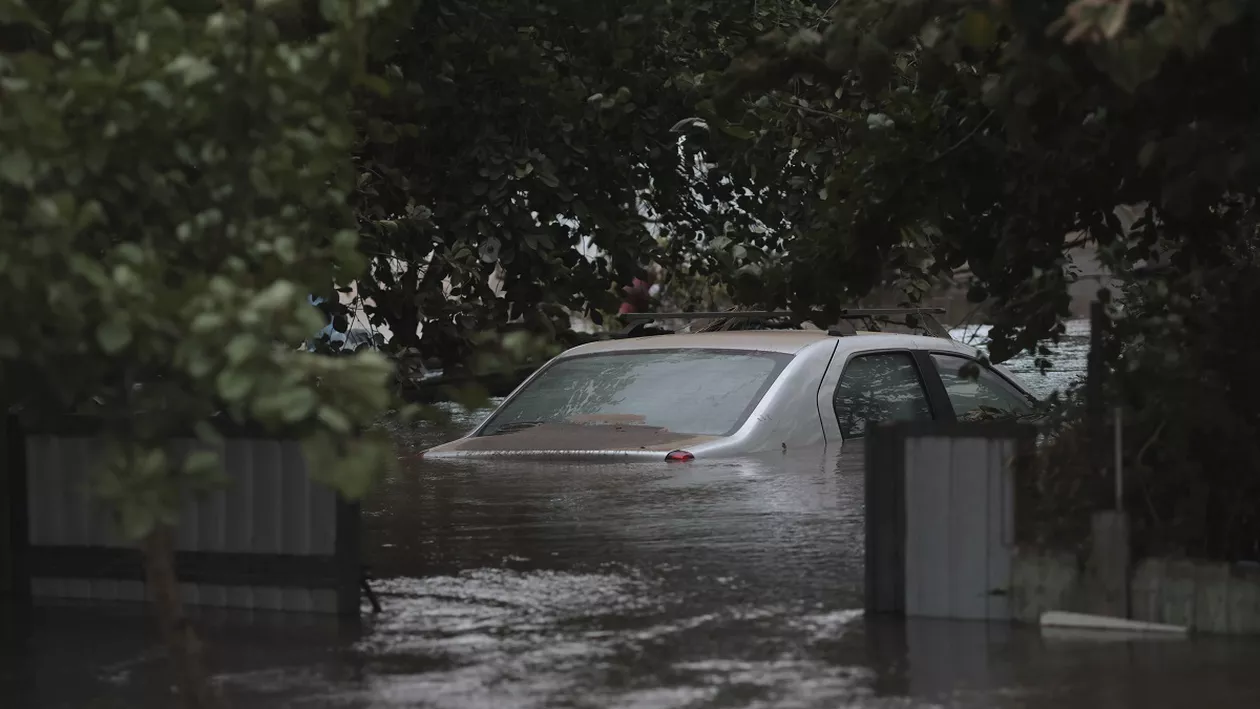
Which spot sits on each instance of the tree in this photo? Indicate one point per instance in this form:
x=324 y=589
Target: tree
x=971 y=133
x=502 y=135
x=998 y=135
x=174 y=181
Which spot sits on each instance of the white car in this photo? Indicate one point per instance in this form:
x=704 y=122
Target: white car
x=738 y=392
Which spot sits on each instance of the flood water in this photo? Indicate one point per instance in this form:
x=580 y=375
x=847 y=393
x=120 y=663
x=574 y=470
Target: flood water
x=1068 y=360
x=635 y=586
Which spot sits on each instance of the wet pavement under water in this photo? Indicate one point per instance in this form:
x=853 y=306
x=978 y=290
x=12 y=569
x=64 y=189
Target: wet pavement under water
x=523 y=586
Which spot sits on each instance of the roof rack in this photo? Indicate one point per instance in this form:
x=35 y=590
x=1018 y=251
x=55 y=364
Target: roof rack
x=703 y=315
x=925 y=318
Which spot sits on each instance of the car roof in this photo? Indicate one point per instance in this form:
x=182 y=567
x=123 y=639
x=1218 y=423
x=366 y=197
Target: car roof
x=782 y=341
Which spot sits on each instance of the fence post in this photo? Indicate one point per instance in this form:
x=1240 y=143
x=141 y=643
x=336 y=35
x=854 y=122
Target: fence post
x=885 y=519
x=1107 y=568
x=7 y=502
x=15 y=581
x=348 y=556
x=1095 y=374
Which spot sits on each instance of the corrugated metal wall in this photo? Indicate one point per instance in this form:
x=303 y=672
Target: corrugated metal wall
x=271 y=506
x=940 y=517
x=960 y=526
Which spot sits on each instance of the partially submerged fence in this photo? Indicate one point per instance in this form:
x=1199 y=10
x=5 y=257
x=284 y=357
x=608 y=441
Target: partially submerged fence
x=272 y=539
x=940 y=518
x=950 y=534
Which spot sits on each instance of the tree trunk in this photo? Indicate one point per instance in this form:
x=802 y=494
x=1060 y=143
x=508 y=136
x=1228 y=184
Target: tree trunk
x=182 y=644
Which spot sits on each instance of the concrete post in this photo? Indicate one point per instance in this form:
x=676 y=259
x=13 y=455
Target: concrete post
x=1107 y=569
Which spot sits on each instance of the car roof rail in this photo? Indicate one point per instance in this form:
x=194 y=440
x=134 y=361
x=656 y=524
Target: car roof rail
x=912 y=318
x=637 y=323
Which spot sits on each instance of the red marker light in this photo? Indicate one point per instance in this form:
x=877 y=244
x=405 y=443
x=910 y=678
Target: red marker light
x=679 y=457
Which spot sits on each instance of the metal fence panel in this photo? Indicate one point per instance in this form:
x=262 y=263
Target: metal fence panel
x=941 y=509
x=958 y=505
x=271 y=539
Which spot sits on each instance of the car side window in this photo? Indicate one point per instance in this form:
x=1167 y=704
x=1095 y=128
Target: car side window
x=982 y=397
x=879 y=387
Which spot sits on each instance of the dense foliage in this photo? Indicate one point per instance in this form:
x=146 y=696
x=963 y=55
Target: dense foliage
x=174 y=180
x=1182 y=369
x=157 y=255
x=501 y=137
x=998 y=135
x=945 y=134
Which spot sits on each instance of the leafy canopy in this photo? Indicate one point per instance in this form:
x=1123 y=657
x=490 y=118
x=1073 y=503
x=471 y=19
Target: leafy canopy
x=502 y=136
x=932 y=135
x=174 y=180
x=1000 y=135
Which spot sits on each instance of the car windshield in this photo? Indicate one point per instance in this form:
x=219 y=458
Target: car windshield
x=701 y=392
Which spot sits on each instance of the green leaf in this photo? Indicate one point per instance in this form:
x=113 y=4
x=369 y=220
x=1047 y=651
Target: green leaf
x=201 y=464
x=331 y=10
x=78 y=11
x=207 y=433
x=233 y=384
x=131 y=253
x=136 y=519
x=113 y=335
x=16 y=166
x=241 y=348
x=978 y=29
x=192 y=69
x=335 y=420
x=377 y=84
x=738 y=131
x=471 y=397
x=291 y=404
x=350 y=469
x=20 y=13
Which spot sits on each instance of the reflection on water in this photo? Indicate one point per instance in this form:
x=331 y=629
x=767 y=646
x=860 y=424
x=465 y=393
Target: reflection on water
x=1067 y=362
x=636 y=586
x=620 y=585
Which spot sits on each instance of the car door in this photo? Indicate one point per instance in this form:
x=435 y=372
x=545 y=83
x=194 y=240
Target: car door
x=880 y=385
x=976 y=392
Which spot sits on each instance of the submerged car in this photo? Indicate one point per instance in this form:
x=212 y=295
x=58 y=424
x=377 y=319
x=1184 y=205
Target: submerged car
x=723 y=394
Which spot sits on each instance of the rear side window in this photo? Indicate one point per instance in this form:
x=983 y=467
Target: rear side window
x=985 y=396
x=702 y=392
x=879 y=387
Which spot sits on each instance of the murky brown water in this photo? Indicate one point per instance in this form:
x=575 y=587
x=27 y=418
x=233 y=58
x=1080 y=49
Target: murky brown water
x=632 y=586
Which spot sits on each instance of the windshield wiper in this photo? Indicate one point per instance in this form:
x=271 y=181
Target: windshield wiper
x=514 y=427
